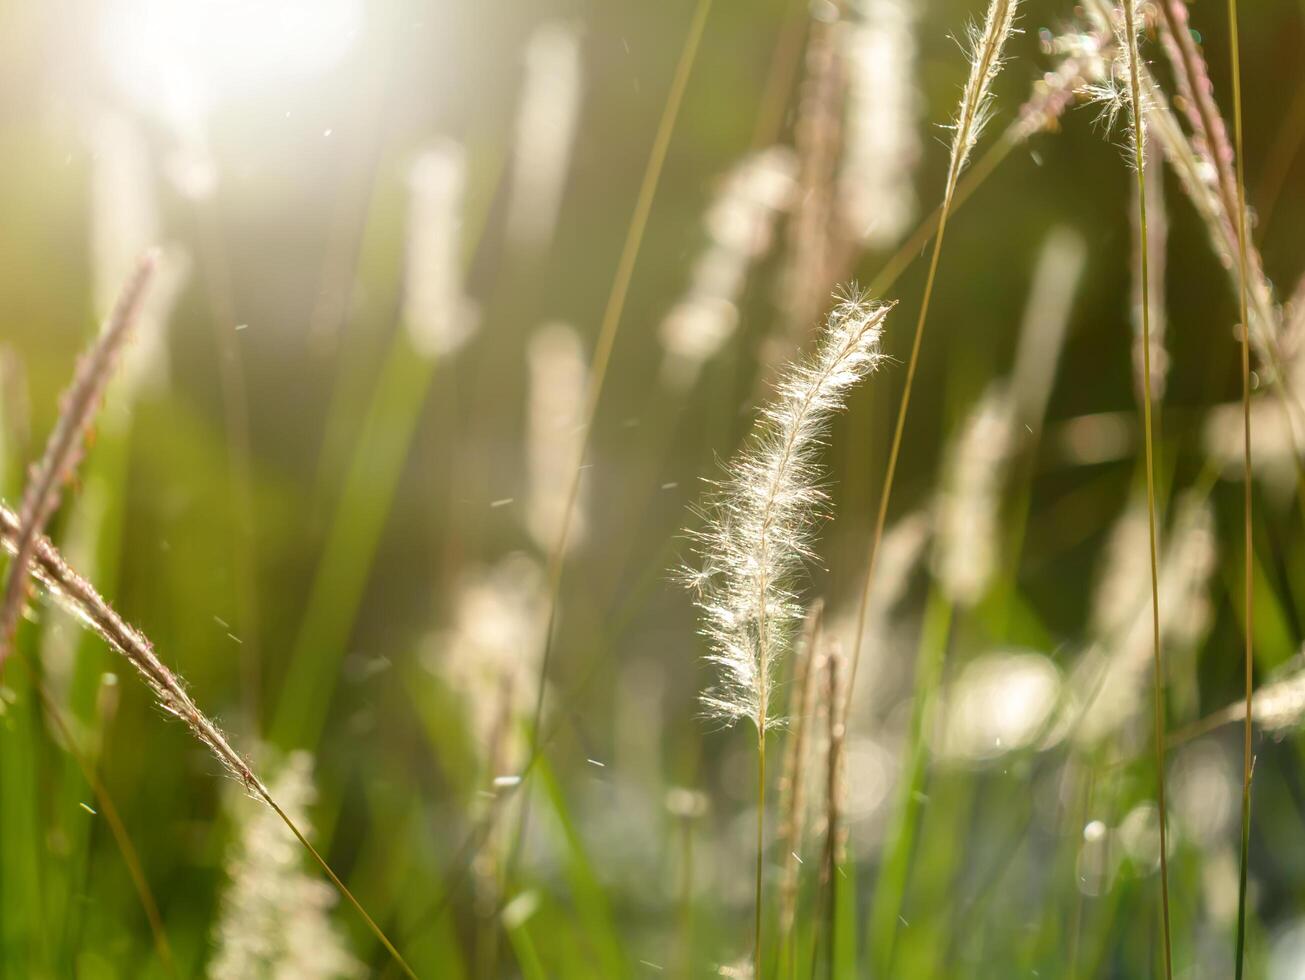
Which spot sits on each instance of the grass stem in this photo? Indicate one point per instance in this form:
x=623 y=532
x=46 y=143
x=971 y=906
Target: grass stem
x=1248 y=762
x=1139 y=163
x=761 y=848
x=601 y=359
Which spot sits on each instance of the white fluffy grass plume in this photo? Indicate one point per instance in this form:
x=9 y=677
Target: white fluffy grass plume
x=882 y=147
x=762 y=519
x=275 y=921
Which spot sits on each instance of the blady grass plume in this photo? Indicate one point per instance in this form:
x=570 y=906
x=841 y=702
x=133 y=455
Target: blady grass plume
x=762 y=519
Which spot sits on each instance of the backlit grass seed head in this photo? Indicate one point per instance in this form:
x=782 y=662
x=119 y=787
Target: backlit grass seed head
x=275 y=920
x=986 y=47
x=1083 y=59
x=762 y=519
x=79 y=597
x=1199 y=175
x=966 y=522
x=493 y=649
x=546 y=124
x=1109 y=683
x=1157 y=235
x=881 y=144
x=1046 y=322
x=1113 y=92
x=438 y=316
x=740 y=228
x=66 y=443
x=1279 y=706
x=559 y=374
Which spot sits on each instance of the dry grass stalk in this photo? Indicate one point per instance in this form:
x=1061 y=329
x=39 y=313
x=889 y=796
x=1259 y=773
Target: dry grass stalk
x=810 y=267
x=1198 y=174
x=80 y=598
x=545 y=133
x=882 y=143
x=1157 y=230
x=986 y=58
x=1248 y=569
x=64 y=448
x=1130 y=26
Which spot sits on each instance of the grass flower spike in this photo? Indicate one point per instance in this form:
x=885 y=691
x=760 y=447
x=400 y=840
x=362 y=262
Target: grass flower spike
x=762 y=521
x=986 y=58
x=759 y=533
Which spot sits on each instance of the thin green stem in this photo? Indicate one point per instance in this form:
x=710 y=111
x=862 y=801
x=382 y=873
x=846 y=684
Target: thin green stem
x=886 y=492
x=602 y=357
x=761 y=844
x=967 y=185
x=1248 y=762
x=335 y=880
x=1139 y=163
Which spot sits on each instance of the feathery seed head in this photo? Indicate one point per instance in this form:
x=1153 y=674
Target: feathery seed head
x=494 y=647
x=966 y=521
x=1110 y=679
x=546 y=123
x=1046 y=321
x=1115 y=92
x=275 y=917
x=559 y=373
x=438 y=316
x=1084 y=59
x=740 y=226
x=79 y=598
x=986 y=47
x=882 y=139
x=762 y=519
x=1279 y=706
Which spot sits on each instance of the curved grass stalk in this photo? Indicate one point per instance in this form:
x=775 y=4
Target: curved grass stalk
x=975 y=106
x=81 y=599
x=607 y=333
x=64 y=447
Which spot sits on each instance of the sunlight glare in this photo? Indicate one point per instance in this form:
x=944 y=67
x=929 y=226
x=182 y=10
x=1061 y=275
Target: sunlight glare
x=180 y=58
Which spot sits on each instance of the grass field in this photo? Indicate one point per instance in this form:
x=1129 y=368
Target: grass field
x=608 y=489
